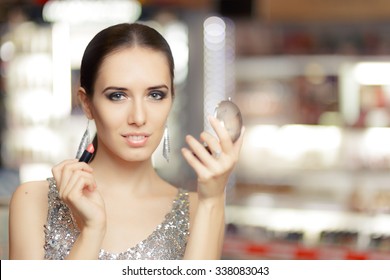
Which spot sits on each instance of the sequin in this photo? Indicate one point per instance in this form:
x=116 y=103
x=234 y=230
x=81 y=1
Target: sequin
x=167 y=242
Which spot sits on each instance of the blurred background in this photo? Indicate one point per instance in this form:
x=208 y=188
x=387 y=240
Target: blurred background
x=312 y=81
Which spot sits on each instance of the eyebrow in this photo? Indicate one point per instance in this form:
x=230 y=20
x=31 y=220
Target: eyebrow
x=124 y=89
x=158 y=87
x=114 y=88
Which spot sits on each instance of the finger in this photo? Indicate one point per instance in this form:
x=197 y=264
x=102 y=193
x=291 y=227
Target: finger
x=80 y=181
x=57 y=169
x=68 y=171
x=194 y=162
x=58 y=173
x=223 y=135
x=212 y=144
x=200 y=152
x=79 y=200
x=89 y=185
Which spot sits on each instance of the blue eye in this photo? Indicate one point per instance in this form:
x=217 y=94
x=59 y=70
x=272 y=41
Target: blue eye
x=116 y=96
x=157 y=95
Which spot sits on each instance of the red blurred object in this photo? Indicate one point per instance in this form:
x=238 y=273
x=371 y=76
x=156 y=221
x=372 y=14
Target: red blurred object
x=41 y=2
x=247 y=249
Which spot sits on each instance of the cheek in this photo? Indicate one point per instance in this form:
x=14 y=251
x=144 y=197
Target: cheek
x=106 y=116
x=159 y=120
x=159 y=116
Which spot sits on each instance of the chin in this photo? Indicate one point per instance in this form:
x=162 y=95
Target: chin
x=136 y=157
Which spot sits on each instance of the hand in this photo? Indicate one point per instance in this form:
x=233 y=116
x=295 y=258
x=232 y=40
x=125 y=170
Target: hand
x=213 y=169
x=77 y=188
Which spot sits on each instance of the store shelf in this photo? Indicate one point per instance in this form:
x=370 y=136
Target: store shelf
x=304 y=231
x=237 y=248
x=285 y=66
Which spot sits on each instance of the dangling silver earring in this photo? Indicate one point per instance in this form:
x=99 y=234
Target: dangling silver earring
x=85 y=141
x=166 y=144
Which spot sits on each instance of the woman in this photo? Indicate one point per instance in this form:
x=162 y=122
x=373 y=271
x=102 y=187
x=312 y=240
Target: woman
x=117 y=207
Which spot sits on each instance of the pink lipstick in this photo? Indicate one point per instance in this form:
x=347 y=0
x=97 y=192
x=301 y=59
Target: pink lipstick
x=87 y=154
x=136 y=140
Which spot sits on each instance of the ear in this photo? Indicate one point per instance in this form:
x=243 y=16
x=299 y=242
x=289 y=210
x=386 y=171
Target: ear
x=85 y=103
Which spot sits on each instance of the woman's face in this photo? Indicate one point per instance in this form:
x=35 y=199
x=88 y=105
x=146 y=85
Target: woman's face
x=131 y=102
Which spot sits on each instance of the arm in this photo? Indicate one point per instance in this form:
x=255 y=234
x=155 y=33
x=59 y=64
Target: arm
x=213 y=171
x=27 y=217
x=87 y=245
x=29 y=206
x=207 y=229
x=77 y=188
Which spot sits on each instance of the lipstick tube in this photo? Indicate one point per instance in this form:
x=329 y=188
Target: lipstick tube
x=87 y=154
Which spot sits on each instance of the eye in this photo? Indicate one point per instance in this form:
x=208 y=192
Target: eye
x=116 y=96
x=157 y=95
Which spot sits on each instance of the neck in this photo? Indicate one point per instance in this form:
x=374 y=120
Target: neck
x=113 y=172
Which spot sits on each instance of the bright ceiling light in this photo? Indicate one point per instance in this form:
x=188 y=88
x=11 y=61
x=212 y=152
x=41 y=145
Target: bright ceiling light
x=372 y=73
x=91 y=11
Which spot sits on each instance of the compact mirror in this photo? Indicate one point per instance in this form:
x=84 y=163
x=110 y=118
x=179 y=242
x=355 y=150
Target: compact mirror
x=230 y=116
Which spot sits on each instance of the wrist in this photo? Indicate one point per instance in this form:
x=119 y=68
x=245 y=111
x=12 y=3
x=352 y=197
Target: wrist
x=94 y=232
x=87 y=245
x=212 y=202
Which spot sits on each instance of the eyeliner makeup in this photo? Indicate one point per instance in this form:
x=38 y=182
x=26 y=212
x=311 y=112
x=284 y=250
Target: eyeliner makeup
x=87 y=154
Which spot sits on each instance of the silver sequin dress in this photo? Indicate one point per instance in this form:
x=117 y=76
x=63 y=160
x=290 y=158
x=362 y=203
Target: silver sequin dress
x=167 y=242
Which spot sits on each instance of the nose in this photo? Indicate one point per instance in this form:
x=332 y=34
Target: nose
x=137 y=114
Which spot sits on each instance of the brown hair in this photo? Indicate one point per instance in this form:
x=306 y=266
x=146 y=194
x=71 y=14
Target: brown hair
x=116 y=37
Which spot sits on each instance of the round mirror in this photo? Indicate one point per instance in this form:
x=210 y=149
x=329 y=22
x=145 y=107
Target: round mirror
x=230 y=116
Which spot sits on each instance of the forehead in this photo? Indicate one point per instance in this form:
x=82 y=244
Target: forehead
x=135 y=63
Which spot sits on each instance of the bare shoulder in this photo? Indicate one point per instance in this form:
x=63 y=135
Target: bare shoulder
x=31 y=192
x=27 y=217
x=30 y=199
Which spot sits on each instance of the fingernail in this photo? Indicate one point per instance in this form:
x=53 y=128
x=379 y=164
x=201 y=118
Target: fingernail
x=217 y=121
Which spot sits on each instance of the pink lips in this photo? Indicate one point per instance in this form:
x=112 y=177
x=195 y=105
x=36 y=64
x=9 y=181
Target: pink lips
x=136 y=140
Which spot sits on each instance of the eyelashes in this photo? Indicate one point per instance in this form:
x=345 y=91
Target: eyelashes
x=157 y=95
x=154 y=95
x=116 y=96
